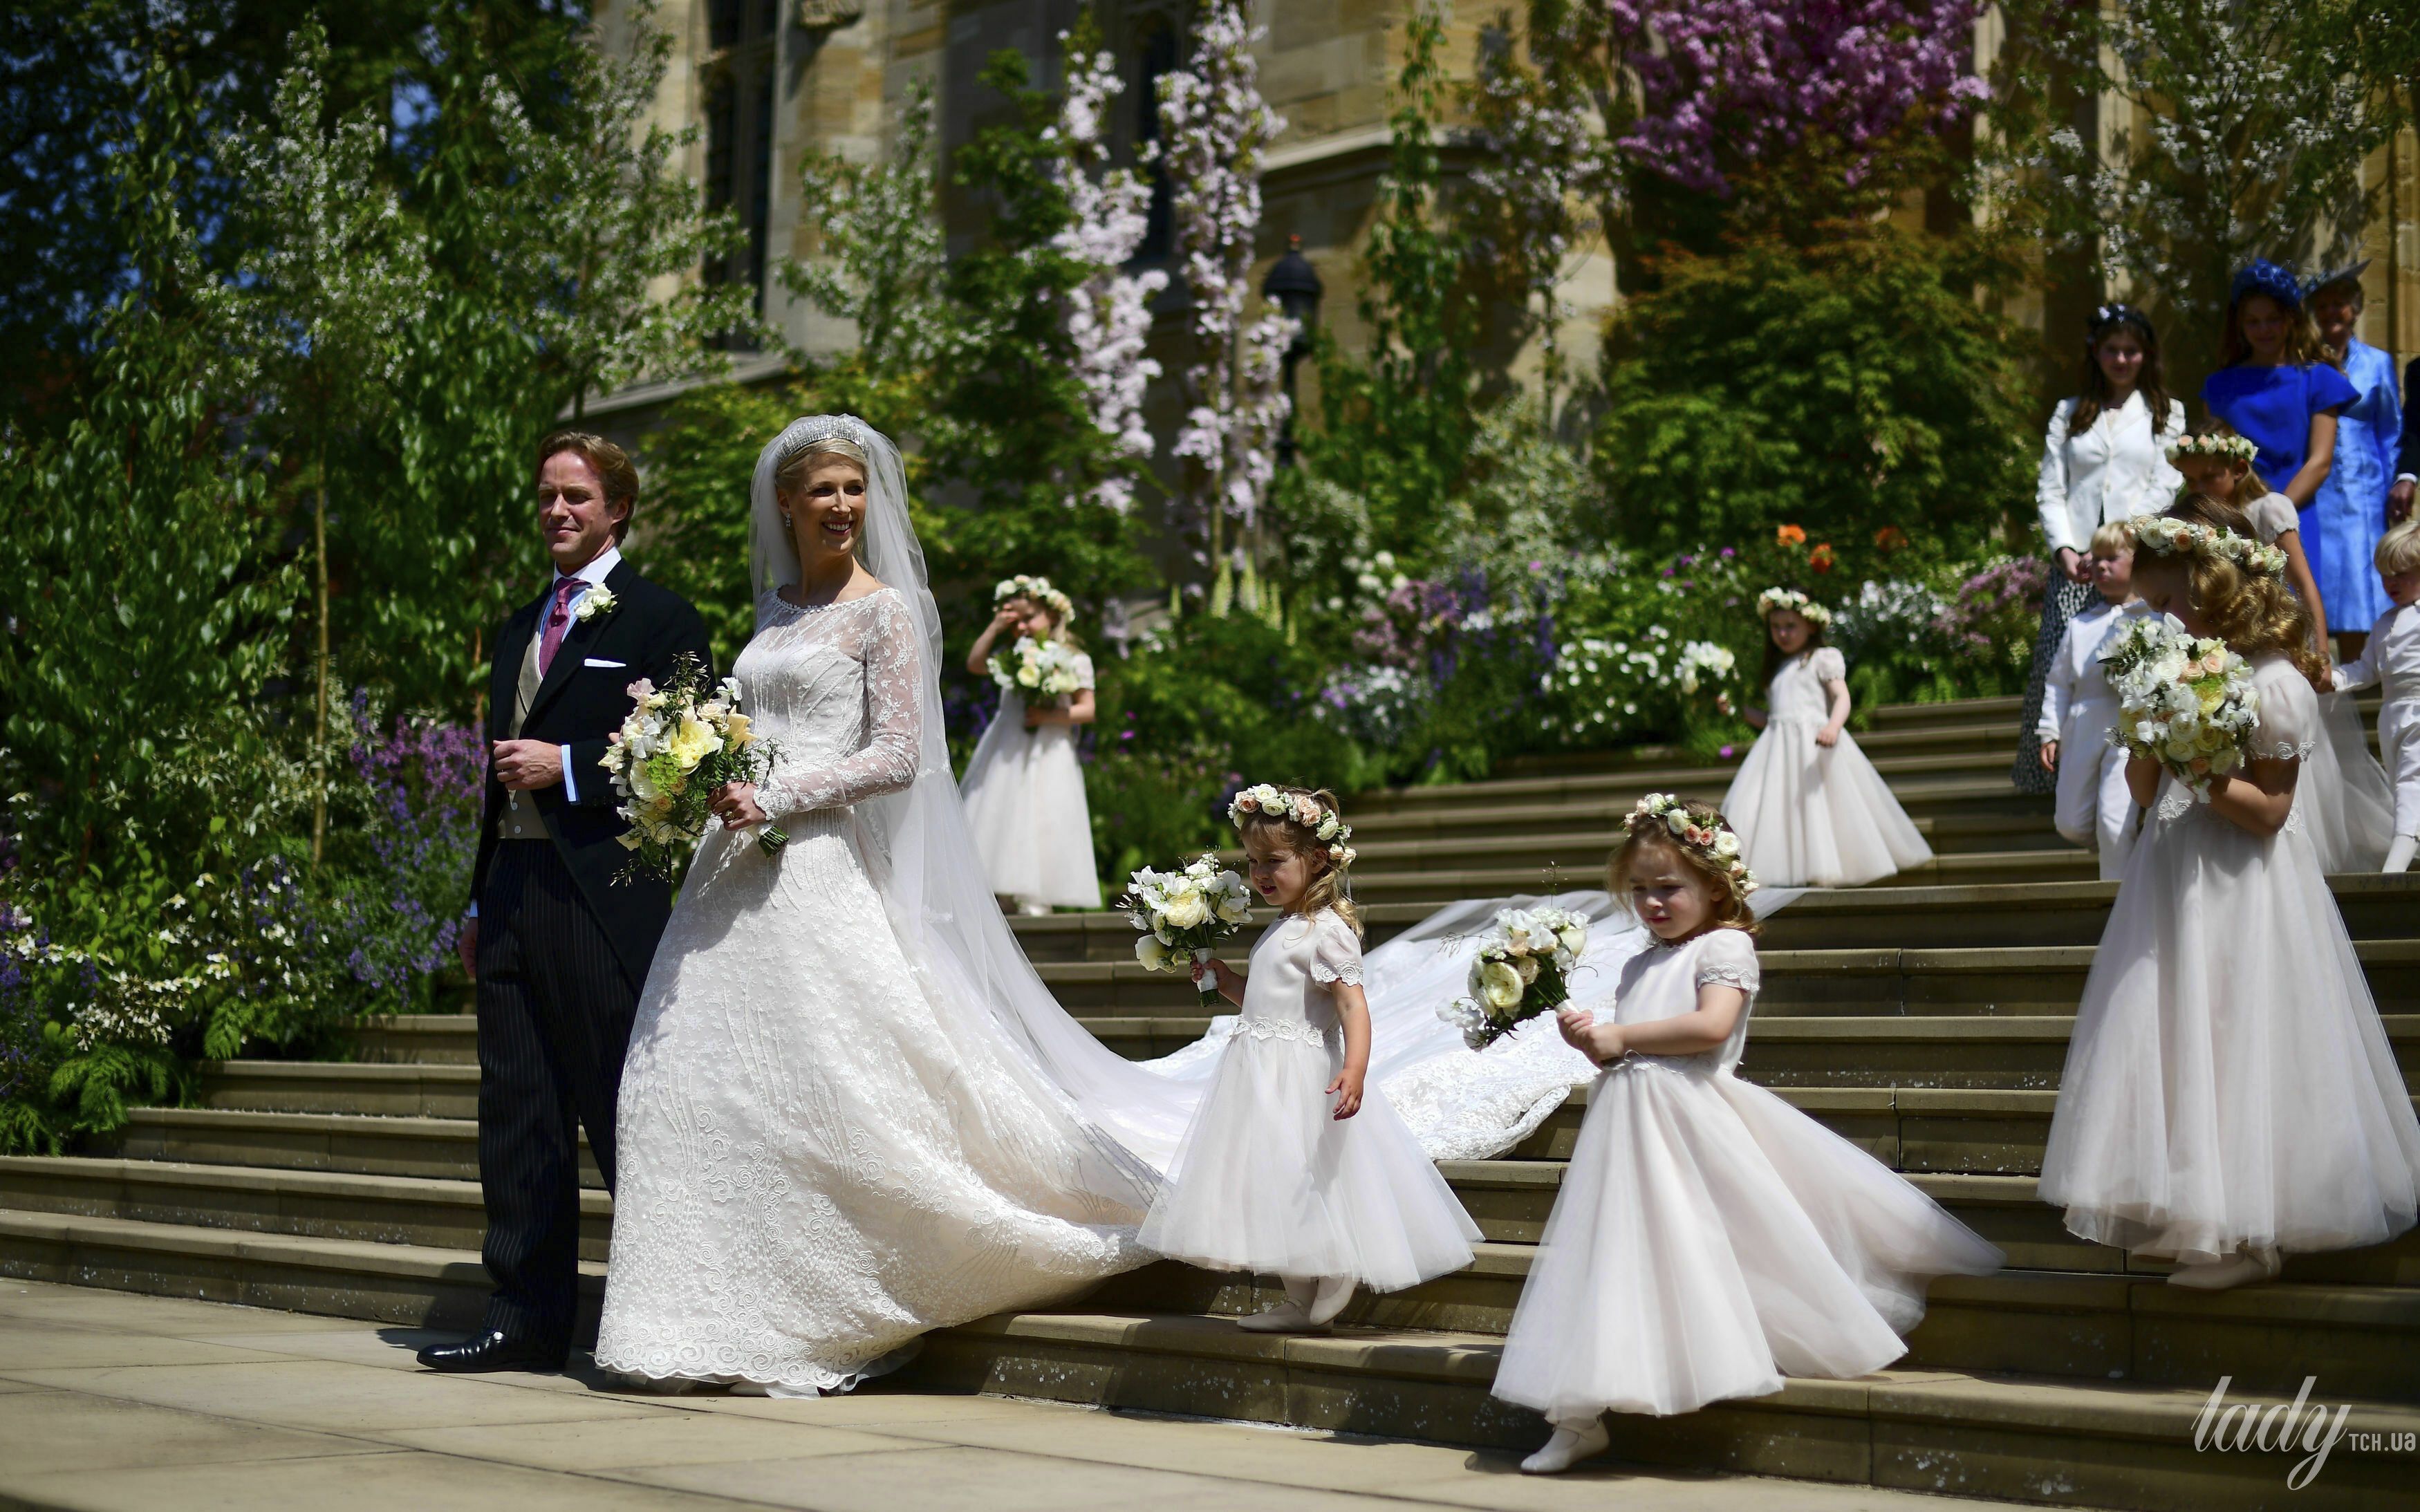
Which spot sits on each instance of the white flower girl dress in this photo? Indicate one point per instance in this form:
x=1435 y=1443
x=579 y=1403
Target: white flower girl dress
x=2230 y=1089
x=1813 y=816
x=1711 y=1238
x=1266 y=1180
x=1024 y=793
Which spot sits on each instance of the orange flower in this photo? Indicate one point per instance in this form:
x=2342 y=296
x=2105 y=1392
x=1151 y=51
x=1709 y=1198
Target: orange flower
x=1890 y=538
x=1789 y=535
x=1821 y=558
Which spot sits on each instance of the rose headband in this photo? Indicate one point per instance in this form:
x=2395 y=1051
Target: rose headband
x=1036 y=589
x=1791 y=599
x=2166 y=537
x=1715 y=844
x=1296 y=808
x=2222 y=444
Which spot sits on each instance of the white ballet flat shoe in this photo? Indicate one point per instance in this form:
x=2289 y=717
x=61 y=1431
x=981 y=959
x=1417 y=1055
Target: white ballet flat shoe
x=1288 y=1317
x=2220 y=1275
x=1568 y=1447
x=1333 y=1293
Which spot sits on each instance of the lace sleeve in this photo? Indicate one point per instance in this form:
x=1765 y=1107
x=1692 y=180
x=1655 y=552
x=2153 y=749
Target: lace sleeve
x=1827 y=665
x=1728 y=958
x=894 y=727
x=2290 y=714
x=1083 y=670
x=1336 y=951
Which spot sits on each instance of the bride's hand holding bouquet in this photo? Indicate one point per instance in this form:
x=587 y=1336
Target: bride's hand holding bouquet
x=686 y=754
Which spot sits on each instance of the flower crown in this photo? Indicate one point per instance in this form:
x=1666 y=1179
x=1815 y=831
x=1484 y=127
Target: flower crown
x=1036 y=589
x=1796 y=602
x=2166 y=537
x=1716 y=844
x=1296 y=808
x=2225 y=445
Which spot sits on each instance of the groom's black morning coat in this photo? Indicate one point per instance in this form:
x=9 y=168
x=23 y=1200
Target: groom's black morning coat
x=564 y=948
x=579 y=703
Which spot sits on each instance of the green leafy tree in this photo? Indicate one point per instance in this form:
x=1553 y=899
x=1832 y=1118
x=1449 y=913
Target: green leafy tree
x=1848 y=386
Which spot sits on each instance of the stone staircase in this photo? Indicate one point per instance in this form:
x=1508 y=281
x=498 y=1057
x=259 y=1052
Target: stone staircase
x=1927 y=1020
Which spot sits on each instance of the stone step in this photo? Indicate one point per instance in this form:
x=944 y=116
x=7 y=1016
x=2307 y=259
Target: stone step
x=2100 y=1444
x=1580 y=843
x=2035 y=1321
x=1967 y=914
x=1983 y=769
x=341 y=1143
x=1444 y=885
x=2050 y=1442
x=1949 y=800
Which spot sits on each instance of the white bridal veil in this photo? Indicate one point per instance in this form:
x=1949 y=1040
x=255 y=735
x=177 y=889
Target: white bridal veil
x=938 y=897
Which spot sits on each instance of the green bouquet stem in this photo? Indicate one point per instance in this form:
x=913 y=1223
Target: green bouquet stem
x=770 y=839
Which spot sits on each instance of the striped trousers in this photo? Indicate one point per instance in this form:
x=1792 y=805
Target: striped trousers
x=554 y=1020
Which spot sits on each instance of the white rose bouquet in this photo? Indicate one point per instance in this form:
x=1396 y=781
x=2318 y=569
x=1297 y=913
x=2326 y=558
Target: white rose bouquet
x=1183 y=913
x=1037 y=669
x=681 y=742
x=2183 y=701
x=1523 y=969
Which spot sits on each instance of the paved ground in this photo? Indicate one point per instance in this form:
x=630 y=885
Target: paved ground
x=110 y=1401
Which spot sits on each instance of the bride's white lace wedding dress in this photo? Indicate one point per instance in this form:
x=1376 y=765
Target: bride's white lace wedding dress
x=825 y=1150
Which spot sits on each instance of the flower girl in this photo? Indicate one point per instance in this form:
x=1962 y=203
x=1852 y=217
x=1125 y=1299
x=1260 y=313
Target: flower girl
x=1709 y=1237
x=2391 y=659
x=2216 y=465
x=2343 y=795
x=1811 y=809
x=2094 y=808
x=1292 y=1167
x=2229 y=1093
x=1024 y=790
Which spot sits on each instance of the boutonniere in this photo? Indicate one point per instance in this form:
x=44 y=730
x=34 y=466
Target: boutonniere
x=598 y=601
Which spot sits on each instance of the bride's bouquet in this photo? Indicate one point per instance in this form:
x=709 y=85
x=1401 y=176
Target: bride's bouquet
x=1523 y=969
x=1037 y=667
x=1183 y=913
x=681 y=742
x=2183 y=701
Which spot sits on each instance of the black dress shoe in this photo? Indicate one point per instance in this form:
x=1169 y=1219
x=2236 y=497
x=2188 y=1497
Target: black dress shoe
x=493 y=1351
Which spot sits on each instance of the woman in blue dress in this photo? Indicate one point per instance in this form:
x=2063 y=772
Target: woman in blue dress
x=2279 y=389
x=2352 y=504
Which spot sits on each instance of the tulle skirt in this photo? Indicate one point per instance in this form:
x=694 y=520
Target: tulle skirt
x=1810 y=816
x=2347 y=803
x=1268 y=1181
x=1711 y=1239
x=1024 y=793
x=2229 y=1085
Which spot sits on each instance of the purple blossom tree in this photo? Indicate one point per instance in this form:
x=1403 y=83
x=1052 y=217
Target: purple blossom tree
x=1217 y=127
x=1724 y=83
x=1109 y=317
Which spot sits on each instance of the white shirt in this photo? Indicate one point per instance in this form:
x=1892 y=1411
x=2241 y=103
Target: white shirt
x=2075 y=676
x=2391 y=659
x=590 y=576
x=2115 y=470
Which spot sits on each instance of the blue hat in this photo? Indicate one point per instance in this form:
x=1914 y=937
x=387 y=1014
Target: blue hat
x=2351 y=274
x=2262 y=276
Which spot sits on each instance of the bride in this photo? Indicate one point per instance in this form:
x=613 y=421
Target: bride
x=838 y=1130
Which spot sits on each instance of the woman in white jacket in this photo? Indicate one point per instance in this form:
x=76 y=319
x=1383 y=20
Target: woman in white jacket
x=2104 y=459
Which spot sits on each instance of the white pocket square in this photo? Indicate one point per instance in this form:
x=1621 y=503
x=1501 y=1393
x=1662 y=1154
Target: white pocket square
x=599 y=661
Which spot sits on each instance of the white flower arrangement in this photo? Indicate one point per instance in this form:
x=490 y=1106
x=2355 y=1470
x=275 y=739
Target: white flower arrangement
x=1181 y=915
x=1036 y=589
x=2225 y=445
x=1717 y=844
x=2185 y=702
x=678 y=745
x=1037 y=669
x=1703 y=661
x=1806 y=609
x=2163 y=536
x=596 y=604
x=1523 y=969
x=1296 y=808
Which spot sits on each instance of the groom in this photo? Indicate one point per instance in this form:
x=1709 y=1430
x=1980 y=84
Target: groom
x=559 y=949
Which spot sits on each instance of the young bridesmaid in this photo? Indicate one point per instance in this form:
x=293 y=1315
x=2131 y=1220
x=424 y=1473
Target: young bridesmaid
x=1709 y=1238
x=1024 y=789
x=1293 y=1166
x=1811 y=809
x=2079 y=710
x=2216 y=465
x=2343 y=796
x=2229 y=1093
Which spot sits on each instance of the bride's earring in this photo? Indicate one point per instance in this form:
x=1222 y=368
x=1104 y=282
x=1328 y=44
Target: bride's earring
x=785 y=520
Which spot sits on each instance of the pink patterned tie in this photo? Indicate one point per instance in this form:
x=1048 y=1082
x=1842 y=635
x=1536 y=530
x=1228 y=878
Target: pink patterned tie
x=558 y=620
